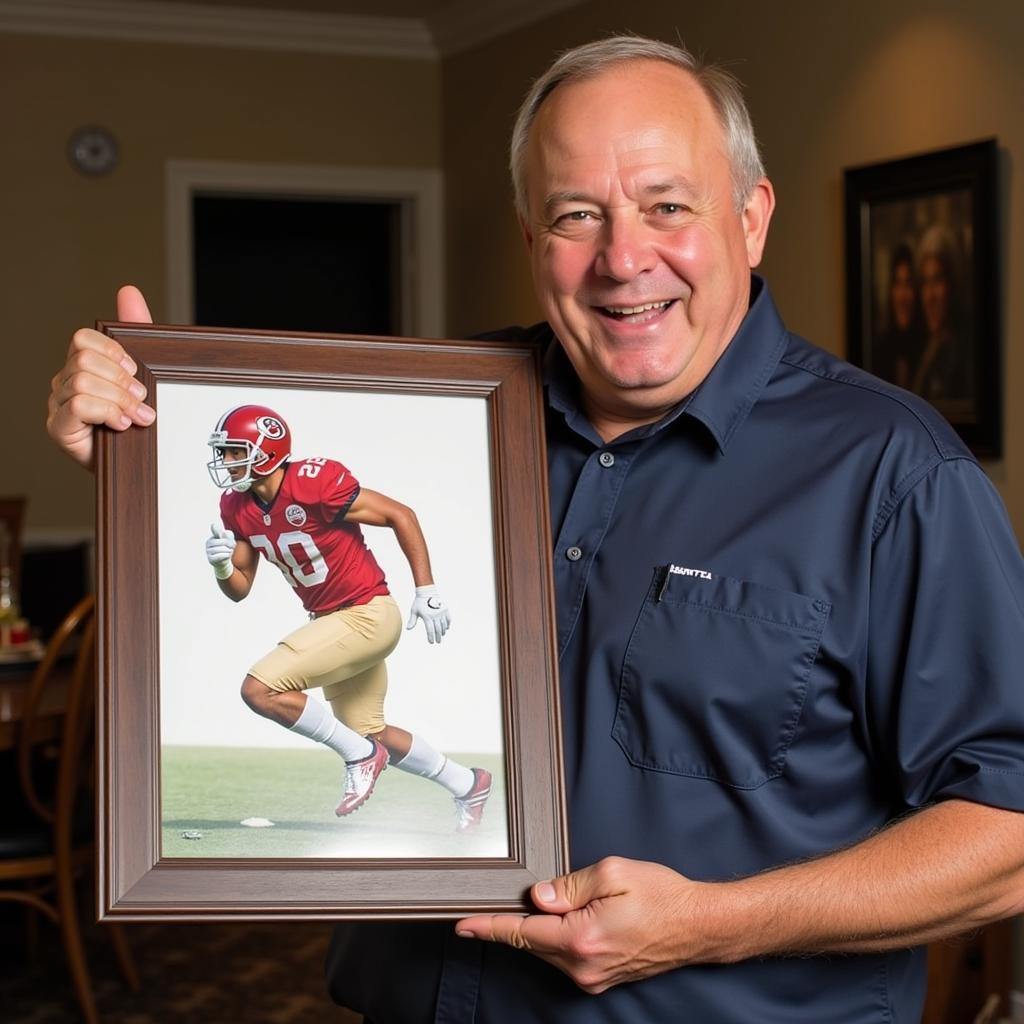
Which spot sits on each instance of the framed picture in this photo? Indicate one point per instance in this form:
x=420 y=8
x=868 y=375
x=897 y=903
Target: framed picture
x=922 y=269
x=329 y=479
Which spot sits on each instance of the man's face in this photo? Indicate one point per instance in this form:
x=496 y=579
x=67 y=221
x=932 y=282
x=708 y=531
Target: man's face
x=234 y=454
x=640 y=258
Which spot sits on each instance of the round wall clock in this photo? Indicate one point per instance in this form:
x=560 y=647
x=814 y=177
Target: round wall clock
x=93 y=150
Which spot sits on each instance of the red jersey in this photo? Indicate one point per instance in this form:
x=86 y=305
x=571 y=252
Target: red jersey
x=302 y=531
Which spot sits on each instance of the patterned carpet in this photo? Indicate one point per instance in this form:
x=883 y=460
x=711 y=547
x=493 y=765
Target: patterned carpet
x=195 y=973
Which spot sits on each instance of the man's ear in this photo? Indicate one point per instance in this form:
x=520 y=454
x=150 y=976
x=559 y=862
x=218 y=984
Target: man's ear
x=757 y=214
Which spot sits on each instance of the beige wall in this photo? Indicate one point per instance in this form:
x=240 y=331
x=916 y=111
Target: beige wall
x=69 y=241
x=829 y=85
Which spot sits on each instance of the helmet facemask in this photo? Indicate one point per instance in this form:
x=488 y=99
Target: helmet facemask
x=220 y=468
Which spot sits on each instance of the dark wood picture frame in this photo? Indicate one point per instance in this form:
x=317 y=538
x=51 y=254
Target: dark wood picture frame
x=135 y=882
x=923 y=282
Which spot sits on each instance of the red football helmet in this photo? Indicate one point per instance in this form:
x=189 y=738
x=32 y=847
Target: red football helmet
x=263 y=435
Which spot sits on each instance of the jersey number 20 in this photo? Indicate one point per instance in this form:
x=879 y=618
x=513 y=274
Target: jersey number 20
x=313 y=574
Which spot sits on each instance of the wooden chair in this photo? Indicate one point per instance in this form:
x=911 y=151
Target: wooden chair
x=48 y=842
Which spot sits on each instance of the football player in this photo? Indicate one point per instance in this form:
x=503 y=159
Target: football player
x=305 y=517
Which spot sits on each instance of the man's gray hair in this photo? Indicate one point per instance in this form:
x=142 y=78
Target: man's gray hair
x=591 y=59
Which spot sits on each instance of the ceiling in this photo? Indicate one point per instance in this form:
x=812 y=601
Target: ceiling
x=422 y=9
x=421 y=29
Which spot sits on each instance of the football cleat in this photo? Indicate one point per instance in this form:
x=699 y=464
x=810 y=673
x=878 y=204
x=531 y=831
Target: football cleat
x=469 y=809
x=360 y=778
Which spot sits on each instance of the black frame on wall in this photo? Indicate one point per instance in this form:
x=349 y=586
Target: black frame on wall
x=923 y=282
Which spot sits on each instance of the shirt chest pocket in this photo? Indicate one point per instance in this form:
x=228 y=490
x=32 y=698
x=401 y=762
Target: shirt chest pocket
x=715 y=676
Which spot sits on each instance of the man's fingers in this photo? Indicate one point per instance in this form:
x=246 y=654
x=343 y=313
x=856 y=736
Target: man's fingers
x=612 y=922
x=94 y=351
x=78 y=415
x=219 y=532
x=131 y=306
x=83 y=399
x=537 y=933
x=578 y=888
x=97 y=377
x=97 y=386
x=98 y=370
x=97 y=366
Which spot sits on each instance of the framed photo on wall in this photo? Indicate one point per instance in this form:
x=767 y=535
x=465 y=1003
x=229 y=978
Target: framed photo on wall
x=923 y=297
x=211 y=808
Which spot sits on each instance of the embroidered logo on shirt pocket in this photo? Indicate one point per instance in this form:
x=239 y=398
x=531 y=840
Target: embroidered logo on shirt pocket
x=715 y=676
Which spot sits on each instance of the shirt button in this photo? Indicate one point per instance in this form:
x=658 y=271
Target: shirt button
x=574 y=554
x=606 y=459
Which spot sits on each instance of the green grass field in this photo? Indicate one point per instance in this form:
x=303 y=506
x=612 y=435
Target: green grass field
x=210 y=790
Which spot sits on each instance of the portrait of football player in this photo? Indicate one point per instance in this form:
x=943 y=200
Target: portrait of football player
x=305 y=516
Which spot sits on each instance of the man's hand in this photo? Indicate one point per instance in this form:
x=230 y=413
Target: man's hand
x=946 y=869
x=430 y=607
x=616 y=921
x=220 y=547
x=97 y=385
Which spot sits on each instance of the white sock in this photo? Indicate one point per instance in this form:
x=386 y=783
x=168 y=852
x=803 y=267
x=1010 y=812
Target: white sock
x=425 y=761
x=317 y=722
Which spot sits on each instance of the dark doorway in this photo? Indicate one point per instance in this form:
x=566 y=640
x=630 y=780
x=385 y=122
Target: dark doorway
x=297 y=264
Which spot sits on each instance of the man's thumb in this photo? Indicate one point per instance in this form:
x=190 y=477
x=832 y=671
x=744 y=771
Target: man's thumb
x=131 y=306
x=217 y=530
x=568 y=892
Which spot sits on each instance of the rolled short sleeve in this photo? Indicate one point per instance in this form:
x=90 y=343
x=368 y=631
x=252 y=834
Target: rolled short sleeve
x=339 y=488
x=946 y=649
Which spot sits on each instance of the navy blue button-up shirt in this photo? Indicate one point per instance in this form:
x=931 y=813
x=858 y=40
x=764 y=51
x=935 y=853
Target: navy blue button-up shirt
x=788 y=612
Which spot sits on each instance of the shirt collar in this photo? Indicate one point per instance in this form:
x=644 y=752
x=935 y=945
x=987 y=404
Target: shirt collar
x=724 y=398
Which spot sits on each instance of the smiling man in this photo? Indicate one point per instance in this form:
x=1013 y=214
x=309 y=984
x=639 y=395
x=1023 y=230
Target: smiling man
x=789 y=612
x=639 y=253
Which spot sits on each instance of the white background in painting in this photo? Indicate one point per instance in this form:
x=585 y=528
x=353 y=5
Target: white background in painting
x=429 y=452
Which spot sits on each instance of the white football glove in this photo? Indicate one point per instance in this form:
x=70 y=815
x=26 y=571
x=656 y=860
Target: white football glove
x=220 y=546
x=430 y=607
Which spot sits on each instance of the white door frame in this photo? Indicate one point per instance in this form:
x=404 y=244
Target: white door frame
x=419 y=193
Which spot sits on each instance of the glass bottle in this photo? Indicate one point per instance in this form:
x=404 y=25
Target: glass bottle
x=8 y=593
